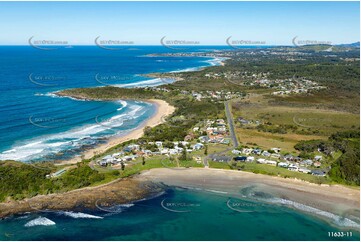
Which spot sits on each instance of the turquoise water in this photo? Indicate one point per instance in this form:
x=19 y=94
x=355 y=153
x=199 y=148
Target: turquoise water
x=178 y=214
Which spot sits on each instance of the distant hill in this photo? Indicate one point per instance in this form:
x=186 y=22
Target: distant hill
x=355 y=45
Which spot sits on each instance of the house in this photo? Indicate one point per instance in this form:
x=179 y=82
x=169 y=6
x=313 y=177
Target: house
x=318 y=173
x=236 y=152
x=240 y=158
x=304 y=170
x=250 y=159
x=247 y=151
x=266 y=153
x=222 y=158
x=204 y=139
x=318 y=158
x=306 y=162
x=184 y=143
x=283 y=164
x=58 y=173
x=147 y=152
x=173 y=151
x=261 y=161
x=127 y=149
x=257 y=151
x=189 y=137
x=288 y=157
x=271 y=162
x=317 y=164
x=198 y=146
x=159 y=144
x=164 y=151
x=293 y=167
x=134 y=146
x=225 y=141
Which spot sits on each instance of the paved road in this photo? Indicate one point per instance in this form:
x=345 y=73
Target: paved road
x=232 y=132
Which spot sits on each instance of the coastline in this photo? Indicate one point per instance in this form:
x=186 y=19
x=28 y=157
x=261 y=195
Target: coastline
x=163 y=109
x=120 y=191
x=335 y=199
x=328 y=202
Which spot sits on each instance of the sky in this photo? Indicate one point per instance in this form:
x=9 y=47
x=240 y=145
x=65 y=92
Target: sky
x=208 y=23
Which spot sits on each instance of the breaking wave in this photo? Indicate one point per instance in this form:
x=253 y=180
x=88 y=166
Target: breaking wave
x=40 y=221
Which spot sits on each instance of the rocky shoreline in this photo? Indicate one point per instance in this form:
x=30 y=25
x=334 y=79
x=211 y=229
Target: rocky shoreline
x=121 y=191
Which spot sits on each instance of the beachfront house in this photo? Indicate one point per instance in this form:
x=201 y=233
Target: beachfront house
x=271 y=162
x=292 y=167
x=250 y=159
x=318 y=173
x=247 y=151
x=240 y=158
x=304 y=170
x=283 y=164
x=222 y=158
x=261 y=161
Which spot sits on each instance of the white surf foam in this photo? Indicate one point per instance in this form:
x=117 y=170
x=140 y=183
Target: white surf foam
x=40 y=146
x=340 y=221
x=124 y=105
x=40 y=221
x=146 y=83
x=80 y=215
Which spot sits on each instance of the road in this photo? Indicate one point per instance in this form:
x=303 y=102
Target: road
x=232 y=132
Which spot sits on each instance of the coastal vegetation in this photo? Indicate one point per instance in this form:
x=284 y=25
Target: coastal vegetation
x=321 y=122
x=19 y=180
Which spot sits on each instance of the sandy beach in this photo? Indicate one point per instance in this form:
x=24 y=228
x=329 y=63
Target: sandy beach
x=163 y=109
x=336 y=199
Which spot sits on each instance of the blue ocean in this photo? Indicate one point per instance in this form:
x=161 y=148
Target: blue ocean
x=36 y=125
x=177 y=214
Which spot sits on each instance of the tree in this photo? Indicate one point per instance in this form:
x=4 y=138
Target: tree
x=143 y=160
x=184 y=154
x=206 y=150
x=123 y=166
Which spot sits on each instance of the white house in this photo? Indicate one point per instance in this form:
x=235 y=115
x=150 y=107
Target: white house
x=236 y=152
x=159 y=144
x=198 y=146
x=250 y=159
x=261 y=161
x=271 y=162
x=283 y=164
x=304 y=170
x=293 y=167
